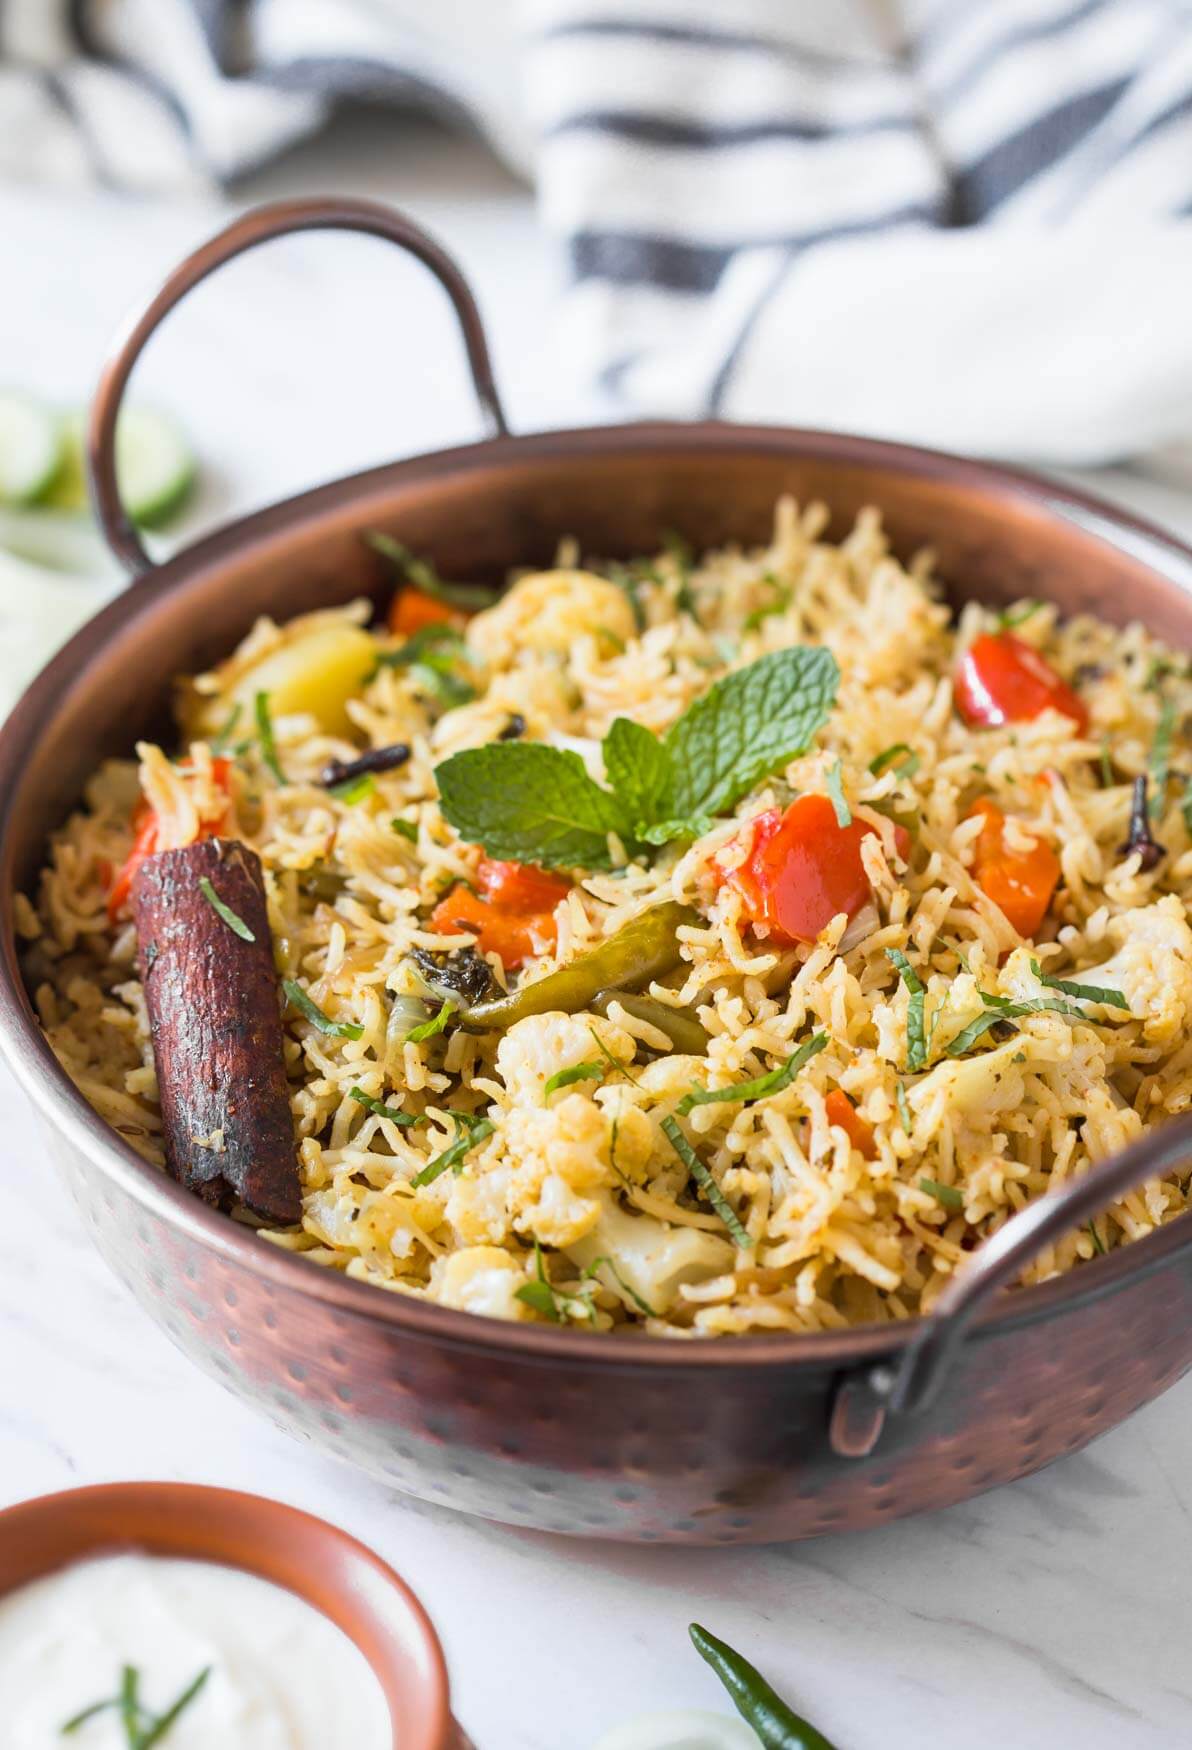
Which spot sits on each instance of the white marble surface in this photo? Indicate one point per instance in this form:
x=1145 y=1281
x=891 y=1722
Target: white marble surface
x=1053 y=1613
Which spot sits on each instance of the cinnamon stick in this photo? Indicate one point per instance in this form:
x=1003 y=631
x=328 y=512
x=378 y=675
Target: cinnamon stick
x=215 y=1022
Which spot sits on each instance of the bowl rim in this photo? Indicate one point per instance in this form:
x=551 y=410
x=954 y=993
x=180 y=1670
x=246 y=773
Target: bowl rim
x=142 y=1503
x=25 y=1049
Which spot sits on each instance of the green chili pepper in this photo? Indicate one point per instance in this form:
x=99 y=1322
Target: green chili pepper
x=685 y=1032
x=772 y=1720
x=647 y=948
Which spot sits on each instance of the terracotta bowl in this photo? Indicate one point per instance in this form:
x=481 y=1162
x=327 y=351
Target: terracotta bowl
x=745 y=1440
x=326 y=1567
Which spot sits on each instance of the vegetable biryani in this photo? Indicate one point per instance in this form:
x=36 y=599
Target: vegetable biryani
x=704 y=945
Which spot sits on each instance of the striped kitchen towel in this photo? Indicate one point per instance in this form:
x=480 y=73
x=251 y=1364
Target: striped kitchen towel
x=962 y=222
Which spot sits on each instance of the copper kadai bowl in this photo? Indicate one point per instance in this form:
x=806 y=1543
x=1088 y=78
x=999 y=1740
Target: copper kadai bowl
x=743 y=1440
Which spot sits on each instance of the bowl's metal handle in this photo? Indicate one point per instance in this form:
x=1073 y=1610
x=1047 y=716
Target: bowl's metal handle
x=276 y=219
x=867 y=1397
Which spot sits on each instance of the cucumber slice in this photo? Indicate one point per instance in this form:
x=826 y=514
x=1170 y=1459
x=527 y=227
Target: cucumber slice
x=59 y=540
x=154 y=466
x=31 y=447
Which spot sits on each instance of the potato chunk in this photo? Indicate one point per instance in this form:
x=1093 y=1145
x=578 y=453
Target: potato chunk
x=316 y=673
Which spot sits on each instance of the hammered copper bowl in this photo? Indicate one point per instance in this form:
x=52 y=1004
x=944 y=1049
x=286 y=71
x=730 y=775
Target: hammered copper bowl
x=743 y=1440
x=342 y=1579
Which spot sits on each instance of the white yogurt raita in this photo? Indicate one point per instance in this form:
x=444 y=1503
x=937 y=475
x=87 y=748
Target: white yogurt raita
x=282 y=1676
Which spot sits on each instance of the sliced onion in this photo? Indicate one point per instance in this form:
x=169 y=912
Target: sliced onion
x=405 y=1014
x=684 y=1730
x=864 y=924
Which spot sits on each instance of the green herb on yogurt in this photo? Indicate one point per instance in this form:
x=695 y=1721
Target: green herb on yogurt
x=143 y=1729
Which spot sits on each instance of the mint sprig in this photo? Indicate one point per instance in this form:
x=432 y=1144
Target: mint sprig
x=748 y=725
x=640 y=771
x=529 y=803
x=537 y=804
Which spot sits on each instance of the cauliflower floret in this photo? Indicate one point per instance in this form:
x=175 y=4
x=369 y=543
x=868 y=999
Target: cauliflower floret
x=1019 y=983
x=1152 y=968
x=537 y=1047
x=652 y=1259
x=480 y=1279
x=632 y=1137
x=547 y=611
x=669 y=1078
x=478 y=1206
x=989 y=1080
x=561 y=1161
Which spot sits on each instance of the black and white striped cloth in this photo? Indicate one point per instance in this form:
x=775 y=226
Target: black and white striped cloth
x=962 y=222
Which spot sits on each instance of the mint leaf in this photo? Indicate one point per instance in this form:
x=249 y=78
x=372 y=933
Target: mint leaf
x=530 y=804
x=844 y=814
x=470 y=1130
x=1091 y=993
x=428 y=1029
x=749 y=724
x=948 y=1195
x=663 y=831
x=761 y=1087
x=421 y=573
x=707 y=1184
x=916 y=1010
x=536 y=804
x=576 y=1072
x=639 y=769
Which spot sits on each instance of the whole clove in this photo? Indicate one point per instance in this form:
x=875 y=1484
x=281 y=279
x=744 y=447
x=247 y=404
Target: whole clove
x=1142 y=840
x=377 y=759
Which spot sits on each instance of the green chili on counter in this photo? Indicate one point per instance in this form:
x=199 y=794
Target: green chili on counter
x=778 y=1727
